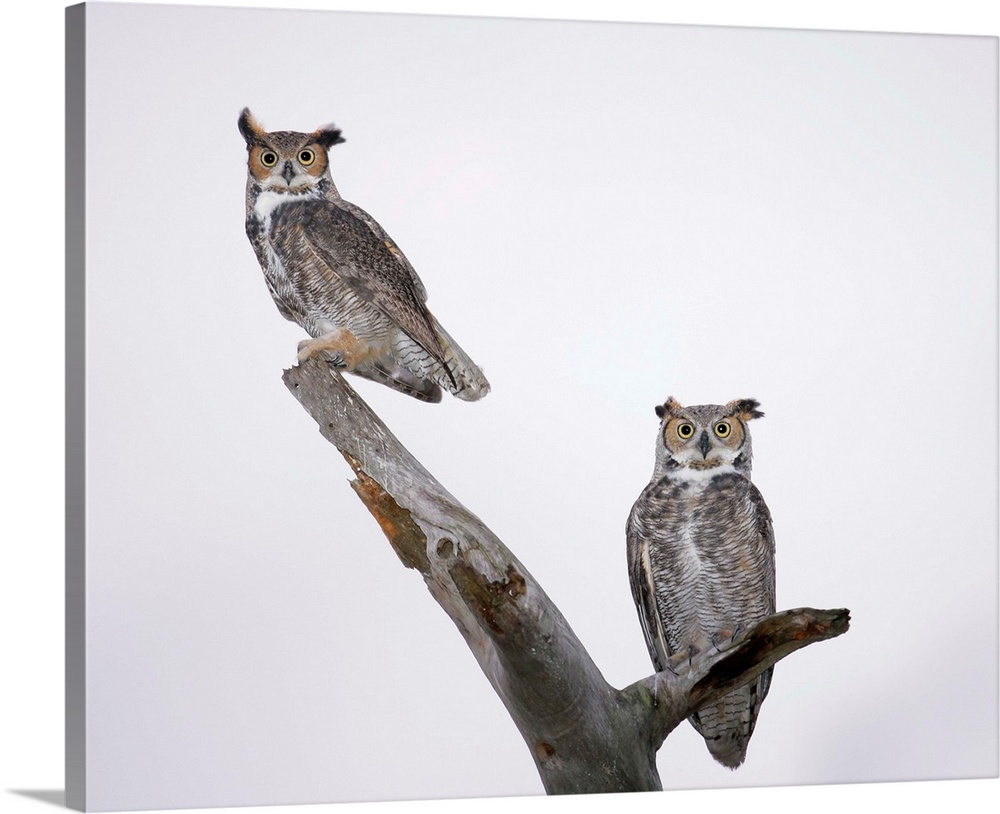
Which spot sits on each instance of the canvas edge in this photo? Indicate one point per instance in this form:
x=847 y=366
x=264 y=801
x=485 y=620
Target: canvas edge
x=75 y=401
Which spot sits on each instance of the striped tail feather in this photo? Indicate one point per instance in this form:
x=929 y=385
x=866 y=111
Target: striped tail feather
x=727 y=725
x=464 y=379
x=403 y=380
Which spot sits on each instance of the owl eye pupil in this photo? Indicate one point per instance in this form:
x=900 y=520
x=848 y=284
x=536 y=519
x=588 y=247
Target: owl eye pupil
x=268 y=159
x=685 y=430
x=307 y=157
x=722 y=429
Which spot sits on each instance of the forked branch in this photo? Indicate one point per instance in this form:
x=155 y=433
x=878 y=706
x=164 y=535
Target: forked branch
x=584 y=735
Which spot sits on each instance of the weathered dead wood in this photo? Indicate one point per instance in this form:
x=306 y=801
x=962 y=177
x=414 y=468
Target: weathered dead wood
x=584 y=735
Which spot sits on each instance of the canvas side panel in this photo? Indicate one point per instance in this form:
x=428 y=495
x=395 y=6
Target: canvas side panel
x=76 y=718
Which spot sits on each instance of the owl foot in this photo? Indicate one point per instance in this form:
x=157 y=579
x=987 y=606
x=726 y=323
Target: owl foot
x=312 y=348
x=340 y=348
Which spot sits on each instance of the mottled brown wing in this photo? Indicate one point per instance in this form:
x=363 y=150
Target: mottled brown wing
x=383 y=236
x=344 y=245
x=765 y=528
x=641 y=582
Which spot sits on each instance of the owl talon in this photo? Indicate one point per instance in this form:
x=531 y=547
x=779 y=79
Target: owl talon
x=676 y=662
x=723 y=636
x=333 y=359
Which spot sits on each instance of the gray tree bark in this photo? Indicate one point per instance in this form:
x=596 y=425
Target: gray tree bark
x=584 y=735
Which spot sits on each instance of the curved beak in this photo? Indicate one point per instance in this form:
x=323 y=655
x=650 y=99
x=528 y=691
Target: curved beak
x=703 y=443
x=288 y=173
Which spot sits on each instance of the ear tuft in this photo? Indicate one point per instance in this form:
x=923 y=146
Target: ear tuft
x=251 y=131
x=328 y=135
x=745 y=409
x=670 y=407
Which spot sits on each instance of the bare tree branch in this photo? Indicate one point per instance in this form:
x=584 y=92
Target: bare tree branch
x=584 y=735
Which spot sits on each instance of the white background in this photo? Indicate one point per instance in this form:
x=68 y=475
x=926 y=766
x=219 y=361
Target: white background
x=877 y=197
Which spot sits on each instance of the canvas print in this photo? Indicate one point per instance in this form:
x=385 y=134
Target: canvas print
x=487 y=407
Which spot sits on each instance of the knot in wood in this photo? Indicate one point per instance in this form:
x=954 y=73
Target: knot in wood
x=544 y=750
x=492 y=600
x=514 y=586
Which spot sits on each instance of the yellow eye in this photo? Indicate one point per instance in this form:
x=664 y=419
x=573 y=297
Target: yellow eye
x=723 y=429
x=268 y=158
x=685 y=429
x=306 y=157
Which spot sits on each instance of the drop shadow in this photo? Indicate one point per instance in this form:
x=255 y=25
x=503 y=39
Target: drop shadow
x=56 y=797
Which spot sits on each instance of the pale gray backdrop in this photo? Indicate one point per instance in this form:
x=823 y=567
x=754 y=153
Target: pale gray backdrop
x=604 y=215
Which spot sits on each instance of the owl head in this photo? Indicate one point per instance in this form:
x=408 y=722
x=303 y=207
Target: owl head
x=285 y=161
x=705 y=439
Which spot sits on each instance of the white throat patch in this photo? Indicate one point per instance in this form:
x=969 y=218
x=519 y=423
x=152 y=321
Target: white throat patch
x=267 y=201
x=691 y=475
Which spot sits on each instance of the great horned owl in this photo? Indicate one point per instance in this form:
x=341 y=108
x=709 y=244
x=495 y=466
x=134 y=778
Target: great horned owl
x=701 y=555
x=333 y=270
